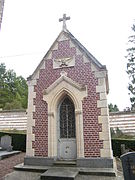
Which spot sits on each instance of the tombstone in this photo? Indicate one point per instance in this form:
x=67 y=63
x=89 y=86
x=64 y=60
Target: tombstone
x=123 y=149
x=6 y=143
x=128 y=164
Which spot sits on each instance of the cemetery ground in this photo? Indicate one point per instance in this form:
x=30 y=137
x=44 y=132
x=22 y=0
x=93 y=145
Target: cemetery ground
x=7 y=167
x=7 y=164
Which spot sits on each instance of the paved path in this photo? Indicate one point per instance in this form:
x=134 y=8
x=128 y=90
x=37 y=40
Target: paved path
x=7 y=164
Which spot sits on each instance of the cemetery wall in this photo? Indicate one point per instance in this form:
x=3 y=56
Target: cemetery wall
x=18 y=120
x=13 y=120
x=124 y=120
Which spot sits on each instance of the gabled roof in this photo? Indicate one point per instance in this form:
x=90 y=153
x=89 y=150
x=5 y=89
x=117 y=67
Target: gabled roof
x=76 y=43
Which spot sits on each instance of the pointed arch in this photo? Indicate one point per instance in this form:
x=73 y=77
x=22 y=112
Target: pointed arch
x=67 y=118
x=53 y=95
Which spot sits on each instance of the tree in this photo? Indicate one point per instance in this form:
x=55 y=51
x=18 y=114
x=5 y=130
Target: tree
x=113 y=108
x=13 y=90
x=131 y=67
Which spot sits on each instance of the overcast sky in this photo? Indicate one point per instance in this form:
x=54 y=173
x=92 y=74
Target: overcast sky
x=30 y=27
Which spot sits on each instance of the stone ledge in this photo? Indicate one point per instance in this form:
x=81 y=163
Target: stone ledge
x=95 y=162
x=80 y=162
x=38 y=161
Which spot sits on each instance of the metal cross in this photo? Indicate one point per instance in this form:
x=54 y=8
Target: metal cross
x=64 y=19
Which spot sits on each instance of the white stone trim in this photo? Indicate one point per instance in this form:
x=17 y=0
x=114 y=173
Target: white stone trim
x=102 y=96
x=93 y=67
x=49 y=55
x=71 y=44
x=85 y=59
x=52 y=95
x=103 y=119
x=30 y=120
x=102 y=103
x=104 y=111
x=100 y=74
x=62 y=37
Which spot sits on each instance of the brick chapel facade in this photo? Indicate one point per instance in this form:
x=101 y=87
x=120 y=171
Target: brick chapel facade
x=67 y=107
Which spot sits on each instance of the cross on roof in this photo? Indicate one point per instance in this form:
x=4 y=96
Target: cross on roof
x=64 y=19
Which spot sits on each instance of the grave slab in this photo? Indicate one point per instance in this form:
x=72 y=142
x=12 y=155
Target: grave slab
x=6 y=154
x=60 y=174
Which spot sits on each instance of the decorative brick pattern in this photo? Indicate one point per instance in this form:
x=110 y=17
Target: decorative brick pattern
x=82 y=74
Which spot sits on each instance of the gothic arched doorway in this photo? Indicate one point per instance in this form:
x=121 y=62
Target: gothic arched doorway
x=66 y=130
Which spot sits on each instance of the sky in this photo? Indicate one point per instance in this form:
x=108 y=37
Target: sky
x=29 y=28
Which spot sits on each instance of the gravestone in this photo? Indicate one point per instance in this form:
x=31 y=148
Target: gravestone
x=123 y=149
x=128 y=164
x=6 y=143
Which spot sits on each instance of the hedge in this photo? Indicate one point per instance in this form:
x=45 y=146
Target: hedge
x=18 y=141
x=116 y=145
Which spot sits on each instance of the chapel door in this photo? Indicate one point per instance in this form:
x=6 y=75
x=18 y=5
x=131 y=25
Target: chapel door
x=67 y=130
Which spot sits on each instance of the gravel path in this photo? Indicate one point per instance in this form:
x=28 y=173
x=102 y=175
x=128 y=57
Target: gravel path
x=7 y=164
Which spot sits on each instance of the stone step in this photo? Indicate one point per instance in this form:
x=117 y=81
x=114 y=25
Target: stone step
x=81 y=170
x=97 y=171
x=30 y=168
x=59 y=173
x=65 y=163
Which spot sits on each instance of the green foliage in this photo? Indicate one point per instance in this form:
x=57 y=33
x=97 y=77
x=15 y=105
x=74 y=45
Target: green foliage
x=13 y=90
x=18 y=141
x=116 y=145
x=117 y=133
x=131 y=67
x=113 y=108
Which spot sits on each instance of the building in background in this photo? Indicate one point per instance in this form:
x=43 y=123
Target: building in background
x=1 y=11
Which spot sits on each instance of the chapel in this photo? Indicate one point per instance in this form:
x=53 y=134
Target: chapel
x=68 y=115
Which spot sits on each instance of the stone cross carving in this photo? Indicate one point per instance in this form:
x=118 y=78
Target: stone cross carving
x=64 y=19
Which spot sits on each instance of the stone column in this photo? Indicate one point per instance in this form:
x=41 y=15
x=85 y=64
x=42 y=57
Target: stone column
x=104 y=117
x=79 y=134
